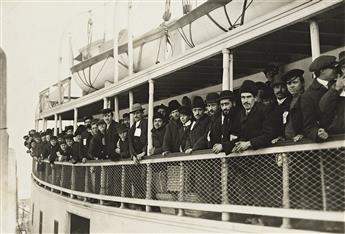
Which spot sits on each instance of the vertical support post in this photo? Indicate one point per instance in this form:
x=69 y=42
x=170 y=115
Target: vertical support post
x=69 y=89
x=105 y=103
x=131 y=101
x=323 y=185
x=130 y=40
x=73 y=179
x=60 y=91
x=46 y=171
x=115 y=46
x=123 y=181
x=314 y=39
x=181 y=191
x=37 y=121
x=45 y=124
x=60 y=124
x=86 y=181
x=55 y=124
x=148 y=186
x=286 y=198
x=75 y=119
x=53 y=176
x=226 y=69
x=225 y=197
x=62 y=177
x=150 y=116
x=102 y=191
x=116 y=109
x=231 y=71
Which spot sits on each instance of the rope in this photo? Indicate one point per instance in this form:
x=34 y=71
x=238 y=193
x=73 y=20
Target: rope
x=183 y=35
x=227 y=16
x=100 y=70
x=190 y=34
x=216 y=23
x=159 y=48
x=245 y=8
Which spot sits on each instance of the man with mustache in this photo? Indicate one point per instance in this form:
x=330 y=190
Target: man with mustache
x=214 y=132
x=324 y=69
x=197 y=139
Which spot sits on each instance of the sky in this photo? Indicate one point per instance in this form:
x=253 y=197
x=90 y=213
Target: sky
x=34 y=34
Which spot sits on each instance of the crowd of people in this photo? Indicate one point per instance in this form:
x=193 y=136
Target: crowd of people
x=256 y=115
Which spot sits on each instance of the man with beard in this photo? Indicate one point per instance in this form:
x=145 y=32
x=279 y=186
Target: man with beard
x=96 y=148
x=158 y=132
x=214 y=134
x=171 y=142
x=197 y=139
x=227 y=106
x=111 y=137
x=324 y=68
x=137 y=136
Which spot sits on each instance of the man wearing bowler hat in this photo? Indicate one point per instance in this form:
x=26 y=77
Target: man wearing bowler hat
x=137 y=136
x=171 y=142
x=324 y=69
x=197 y=139
x=111 y=137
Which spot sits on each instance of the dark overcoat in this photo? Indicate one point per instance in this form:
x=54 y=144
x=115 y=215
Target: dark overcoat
x=171 y=142
x=96 y=148
x=184 y=132
x=124 y=149
x=138 y=144
x=111 y=138
x=157 y=139
x=214 y=135
x=197 y=139
x=294 y=121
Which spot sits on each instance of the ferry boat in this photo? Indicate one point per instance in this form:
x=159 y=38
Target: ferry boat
x=202 y=192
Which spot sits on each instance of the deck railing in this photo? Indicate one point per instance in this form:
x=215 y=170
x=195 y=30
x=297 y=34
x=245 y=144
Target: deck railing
x=305 y=181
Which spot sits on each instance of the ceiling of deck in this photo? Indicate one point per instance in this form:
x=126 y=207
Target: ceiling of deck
x=282 y=47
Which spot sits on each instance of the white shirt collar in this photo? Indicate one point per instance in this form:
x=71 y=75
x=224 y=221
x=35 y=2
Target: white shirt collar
x=342 y=94
x=280 y=101
x=189 y=122
x=137 y=124
x=323 y=82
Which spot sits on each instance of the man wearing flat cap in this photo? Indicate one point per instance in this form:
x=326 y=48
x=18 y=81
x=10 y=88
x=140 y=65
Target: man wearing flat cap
x=324 y=69
x=214 y=132
x=111 y=137
x=137 y=136
x=158 y=132
x=171 y=142
x=197 y=139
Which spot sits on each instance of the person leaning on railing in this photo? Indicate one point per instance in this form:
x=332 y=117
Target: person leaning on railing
x=96 y=149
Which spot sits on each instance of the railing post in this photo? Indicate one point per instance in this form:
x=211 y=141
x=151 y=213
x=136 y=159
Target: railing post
x=148 y=186
x=123 y=180
x=86 y=182
x=227 y=83
x=46 y=171
x=286 y=198
x=150 y=116
x=55 y=124
x=62 y=185
x=75 y=118
x=323 y=186
x=102 y=191
x=73 y=178
x=181 y=191
x=93 y=179
x=225 y=197
x=53 y=176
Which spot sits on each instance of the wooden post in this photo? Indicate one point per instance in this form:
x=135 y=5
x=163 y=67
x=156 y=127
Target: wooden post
x=93 y=179
x=86 y=182
x=130 y=40
x=46 y=171
x=115 y=46
x=69 y=89
x=75 y=119
x=45 y=124
x=60 y=91
x=123 y=185
x=314 y=39
x=148 y=186
x=226 y=70
x=286 y=198
x=37 y=125
x=231 y=71
x=102 y=191
x=150 y=116
x=62 y=177
x=55 y=124
x=73 y=179
x=105 y=103
x=53 y=176
x=131 y=101
x=225 y=197
x=60 y=124
x=181 y=192
x=116 y=109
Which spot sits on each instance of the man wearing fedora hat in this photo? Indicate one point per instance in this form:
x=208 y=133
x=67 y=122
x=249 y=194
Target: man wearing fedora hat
x=111 y=137
x=324 y=68
x=197 y=139
x=171 y=141
x=137 y=136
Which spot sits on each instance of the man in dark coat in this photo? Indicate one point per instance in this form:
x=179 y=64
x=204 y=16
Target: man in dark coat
x=171 y=142
x=78 y=153
x=214 y=134
x=158 y=132
x=96 y=148
x=137 y=135
x=197 y=139
x=186 y=116
x=325 y=71
x=111 y=136
x=123 y=149
x=87 y=134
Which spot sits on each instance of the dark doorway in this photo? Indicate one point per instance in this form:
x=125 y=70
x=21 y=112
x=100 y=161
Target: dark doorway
x=79 y=224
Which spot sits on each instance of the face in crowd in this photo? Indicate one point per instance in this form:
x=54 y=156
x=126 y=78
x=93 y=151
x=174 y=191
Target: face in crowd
x=157 y=123
x=94 y=129
x=247 y=100
x=69 y=142
x=226 y=105
x=198 y=112
x=101 y=128
x=53 y=142
x=87 y=123
x=63 y=146
x=37 y=139
x=295 y=85
x=184 y=118
x=138 y=115
x=328 y=73
x=43 y=138
x=123 y=135
x=126 y=121
x=212 y=108
x=175 y=114
x=47 y=137
x=69 y=132
x=162 y=111
x=77 y=138
x=108 y=117
x=280 y=91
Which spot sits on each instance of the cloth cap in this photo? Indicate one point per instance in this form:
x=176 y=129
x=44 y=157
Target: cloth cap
x=121 y=128
x=106 y=111
x=100 y=122
x=125 y=115
x=277 y=81
x=248 y=86
x=226 y=94
x=53 y=138
x=212 y=98
x=136 y=107
x=69 y=127
x=292 y=74
x=321 y=62
x=184 y=110
x=173 y=105
x=198 y=102
x=87 y=117
x=80 y=129
x=158 y=116
x=271 y=67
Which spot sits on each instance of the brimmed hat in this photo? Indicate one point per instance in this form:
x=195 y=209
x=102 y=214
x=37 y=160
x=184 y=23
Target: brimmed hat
x=69 y=127
x=87 y=117
x=161 y=106
x=158 y=116
x=248 y=86
x=121 y=128
x=226 y=94
x=106 y=111
x=69 y=136
x=173 y=105
x=323 y=61
x=268 y=93
x=125 y=115
x=136 y=107
x=80 y=129
x=185 y=110
x=277 y=81
x=271 y=67
x=53 y=138
x=198 y=102
x=292 y=74
x=212 y=98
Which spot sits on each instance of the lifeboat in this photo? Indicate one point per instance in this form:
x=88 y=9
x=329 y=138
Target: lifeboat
x=95 y=65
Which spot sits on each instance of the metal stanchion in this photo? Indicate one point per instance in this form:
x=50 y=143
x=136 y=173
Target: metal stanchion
x=181 y=191
x=225 y=197
x=148 y=186
x=286 y=198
